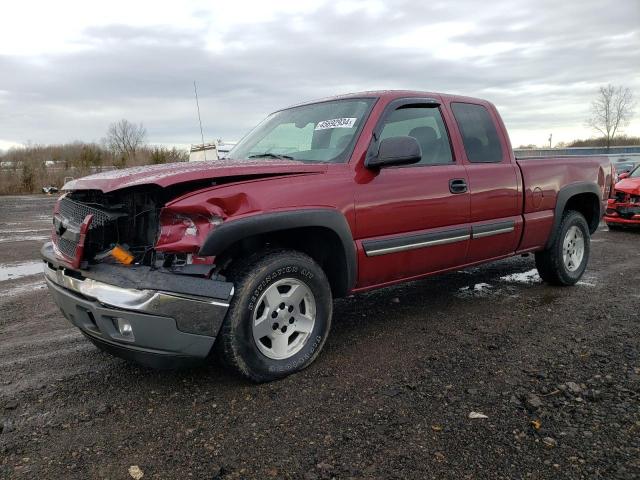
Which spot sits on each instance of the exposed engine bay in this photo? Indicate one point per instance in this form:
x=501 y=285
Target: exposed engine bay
x=124 y=227
x=129 y=220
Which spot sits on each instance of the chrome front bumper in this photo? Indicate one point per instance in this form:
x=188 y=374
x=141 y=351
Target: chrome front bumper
x=163 y=322
x=186 y=310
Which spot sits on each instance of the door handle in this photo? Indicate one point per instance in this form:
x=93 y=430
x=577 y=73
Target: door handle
x=458 y=185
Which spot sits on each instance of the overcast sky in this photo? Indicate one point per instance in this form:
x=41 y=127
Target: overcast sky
x=69 y=68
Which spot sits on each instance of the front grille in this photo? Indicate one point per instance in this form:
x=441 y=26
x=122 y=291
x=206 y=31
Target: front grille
x=76 y=213
x=129 y=218
x=67 y=247
x=71 y=214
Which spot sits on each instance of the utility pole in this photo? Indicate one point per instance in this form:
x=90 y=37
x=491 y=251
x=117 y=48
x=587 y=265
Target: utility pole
x=550 y=137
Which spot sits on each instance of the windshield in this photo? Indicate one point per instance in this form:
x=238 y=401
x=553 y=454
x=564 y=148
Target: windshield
x=635 y=173
x=319 y=132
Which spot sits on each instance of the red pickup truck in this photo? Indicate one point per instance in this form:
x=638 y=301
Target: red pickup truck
x=244 y=256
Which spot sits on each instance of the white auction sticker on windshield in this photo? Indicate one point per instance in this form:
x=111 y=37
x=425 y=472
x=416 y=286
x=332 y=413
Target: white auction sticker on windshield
x=336 y=123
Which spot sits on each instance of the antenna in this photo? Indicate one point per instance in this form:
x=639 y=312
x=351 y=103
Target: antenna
x=204 y=150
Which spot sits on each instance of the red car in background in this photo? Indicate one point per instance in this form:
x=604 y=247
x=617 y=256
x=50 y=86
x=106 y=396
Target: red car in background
x=623 y=209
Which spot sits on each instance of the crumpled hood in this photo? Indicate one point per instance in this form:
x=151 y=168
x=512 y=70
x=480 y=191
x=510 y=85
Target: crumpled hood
x=174 y=173
x=629 y=185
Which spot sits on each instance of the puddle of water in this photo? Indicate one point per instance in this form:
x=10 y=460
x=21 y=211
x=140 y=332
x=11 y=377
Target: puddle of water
x=14 y=271
x=25 y=230
x=24 y=238
x=528 y=277
x=479 y=290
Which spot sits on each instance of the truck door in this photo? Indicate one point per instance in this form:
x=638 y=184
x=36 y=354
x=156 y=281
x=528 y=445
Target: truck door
x=494 y=183
x=408 y=221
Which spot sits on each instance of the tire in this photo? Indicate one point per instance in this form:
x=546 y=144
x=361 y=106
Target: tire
x=553 y=266
x=293 y=336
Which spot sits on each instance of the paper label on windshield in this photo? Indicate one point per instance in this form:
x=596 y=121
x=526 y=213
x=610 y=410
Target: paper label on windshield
x=336 y=123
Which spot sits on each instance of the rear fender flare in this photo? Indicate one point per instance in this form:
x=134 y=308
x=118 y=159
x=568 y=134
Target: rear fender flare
x=225 y=235
x=564 y=195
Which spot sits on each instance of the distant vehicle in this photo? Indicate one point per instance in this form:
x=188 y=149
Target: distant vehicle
x=325 y=199
x=623 y=209
x=624 y=166
x=50 y=189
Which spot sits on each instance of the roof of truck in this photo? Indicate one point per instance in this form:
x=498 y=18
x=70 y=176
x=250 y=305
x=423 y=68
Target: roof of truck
x=392 y=94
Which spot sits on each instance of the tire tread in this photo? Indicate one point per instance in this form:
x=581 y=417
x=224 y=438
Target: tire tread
x=548 y=262
x=241 y=275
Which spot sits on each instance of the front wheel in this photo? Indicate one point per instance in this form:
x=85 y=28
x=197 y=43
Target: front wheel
x=279 y=317
x=564 y=262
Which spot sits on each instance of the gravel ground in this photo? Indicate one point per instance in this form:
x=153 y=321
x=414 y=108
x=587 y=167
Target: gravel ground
x=556 y=372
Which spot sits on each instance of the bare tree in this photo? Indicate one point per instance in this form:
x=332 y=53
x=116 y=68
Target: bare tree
x=124 y=139
x=611 y=111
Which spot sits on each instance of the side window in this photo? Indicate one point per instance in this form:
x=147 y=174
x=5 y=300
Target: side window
x=425 y=124
x=479 y=134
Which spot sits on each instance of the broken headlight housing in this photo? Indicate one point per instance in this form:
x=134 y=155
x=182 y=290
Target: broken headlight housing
x=184 y=233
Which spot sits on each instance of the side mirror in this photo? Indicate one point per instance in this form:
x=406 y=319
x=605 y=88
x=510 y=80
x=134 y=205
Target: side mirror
x=622 y=176
x=394 y=151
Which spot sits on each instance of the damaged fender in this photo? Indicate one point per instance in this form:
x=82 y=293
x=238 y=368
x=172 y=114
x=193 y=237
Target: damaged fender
x=230 y=232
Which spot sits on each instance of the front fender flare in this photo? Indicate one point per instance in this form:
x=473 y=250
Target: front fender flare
x=225 y=235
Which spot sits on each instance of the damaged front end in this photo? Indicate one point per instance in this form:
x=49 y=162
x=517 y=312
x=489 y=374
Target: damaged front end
x=623 y=209
x=130 y=227
x=124 y=269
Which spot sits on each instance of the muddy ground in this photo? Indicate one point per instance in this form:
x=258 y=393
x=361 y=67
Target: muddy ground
x=555 y=371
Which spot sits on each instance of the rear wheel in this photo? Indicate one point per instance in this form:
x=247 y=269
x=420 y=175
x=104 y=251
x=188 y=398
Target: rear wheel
x=279 y=317
x=566 y=260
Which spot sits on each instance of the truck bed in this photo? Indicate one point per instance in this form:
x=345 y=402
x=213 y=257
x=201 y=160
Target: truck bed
x=543 y=177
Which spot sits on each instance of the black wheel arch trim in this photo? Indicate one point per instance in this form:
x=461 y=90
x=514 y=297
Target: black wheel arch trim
x=223 y=236
x=564 y=195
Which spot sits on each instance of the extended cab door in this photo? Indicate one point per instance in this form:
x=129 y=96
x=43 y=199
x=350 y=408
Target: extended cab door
x=494 y=182
x=408 y=221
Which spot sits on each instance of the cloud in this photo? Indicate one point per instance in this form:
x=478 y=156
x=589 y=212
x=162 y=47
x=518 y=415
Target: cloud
x=540 y=62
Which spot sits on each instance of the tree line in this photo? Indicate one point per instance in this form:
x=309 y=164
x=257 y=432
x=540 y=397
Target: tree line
x=27 y=169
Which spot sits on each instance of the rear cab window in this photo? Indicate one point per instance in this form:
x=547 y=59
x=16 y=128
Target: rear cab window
x=479 y=133
x=425 y=124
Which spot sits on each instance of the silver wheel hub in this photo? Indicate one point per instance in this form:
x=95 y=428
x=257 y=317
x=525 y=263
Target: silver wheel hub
x=573 y=248
x=283 y=318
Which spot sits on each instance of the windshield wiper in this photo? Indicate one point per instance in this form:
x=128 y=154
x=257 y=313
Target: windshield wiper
x=271 y=155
